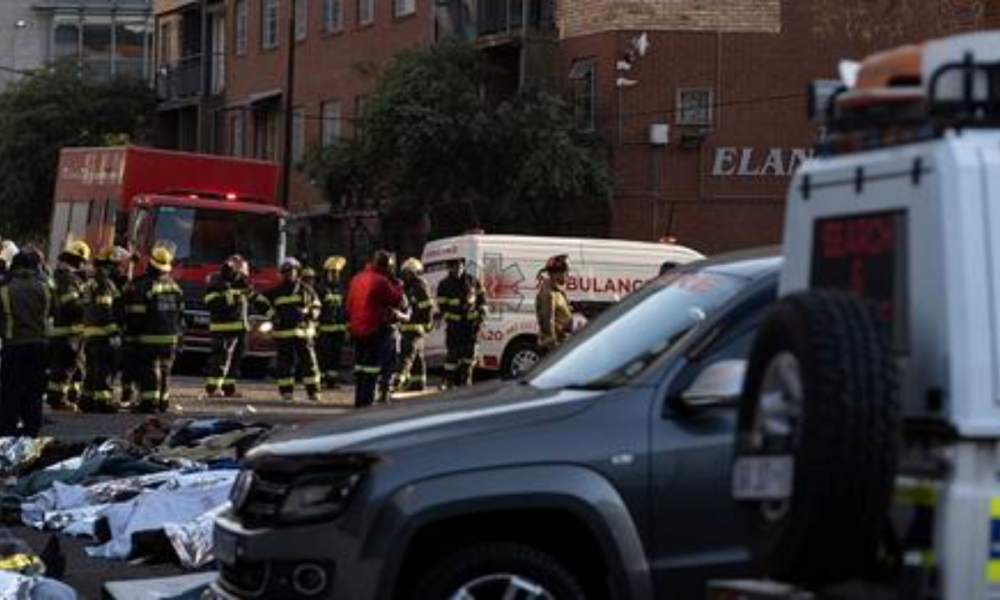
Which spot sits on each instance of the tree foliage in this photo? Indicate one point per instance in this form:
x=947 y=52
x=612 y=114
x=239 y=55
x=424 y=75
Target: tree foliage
x=50 y=109
x=431 y=142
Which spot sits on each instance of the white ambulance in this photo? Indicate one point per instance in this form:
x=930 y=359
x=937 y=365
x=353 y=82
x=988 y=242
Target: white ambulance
x=602 y=272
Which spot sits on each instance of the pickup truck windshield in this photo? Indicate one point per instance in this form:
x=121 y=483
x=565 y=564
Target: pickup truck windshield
x=212 y=236
x=624 y=340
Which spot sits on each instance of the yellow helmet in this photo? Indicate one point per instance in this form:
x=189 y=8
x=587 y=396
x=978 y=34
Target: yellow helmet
x=335 y=263
x=413 y=265
x=78 y=249
x=112 y=254
x=162 y=256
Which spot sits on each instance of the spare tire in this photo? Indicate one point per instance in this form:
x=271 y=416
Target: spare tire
x=817 y=439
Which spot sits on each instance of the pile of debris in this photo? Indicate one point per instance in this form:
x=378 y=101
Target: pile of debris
x=150 y=496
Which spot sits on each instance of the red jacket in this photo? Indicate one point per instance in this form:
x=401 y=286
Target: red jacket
x=371 y=302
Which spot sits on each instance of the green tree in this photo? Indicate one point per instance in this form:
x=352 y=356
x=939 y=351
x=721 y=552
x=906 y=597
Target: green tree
x=431 y=142
x=46 y=111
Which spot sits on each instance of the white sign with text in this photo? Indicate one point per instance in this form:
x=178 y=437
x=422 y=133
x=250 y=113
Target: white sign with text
x=757 y=162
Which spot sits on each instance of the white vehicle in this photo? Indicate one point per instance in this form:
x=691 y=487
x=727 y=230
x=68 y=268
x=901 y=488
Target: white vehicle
x=602 y=272
x=868 y=445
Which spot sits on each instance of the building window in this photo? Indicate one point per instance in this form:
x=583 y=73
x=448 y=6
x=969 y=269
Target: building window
x=330 y=128
x=238 y=143
x=301 y=19
x=265 y=127
x=269 y=24
x=298 y=135
x=583 y=78
x=366 y=12
x=694 y=106
x=106 y=43
x=242 y=26
x=333 y=15
x=401 y=8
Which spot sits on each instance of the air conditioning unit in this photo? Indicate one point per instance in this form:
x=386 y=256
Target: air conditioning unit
x=659 y=134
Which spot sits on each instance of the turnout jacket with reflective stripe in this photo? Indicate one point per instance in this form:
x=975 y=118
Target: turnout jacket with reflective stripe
x=418 y=296
x=154 y=305
x=25 y=306
x=67 y=297
x=229 y=303
x=333 y=317
x=294 y=309
x=100 y=308
x=461 y=299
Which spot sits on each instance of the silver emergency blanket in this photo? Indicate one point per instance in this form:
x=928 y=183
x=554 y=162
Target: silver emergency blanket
x=19 y=587
x=192 y=541
x=192 y=496
x=17 y=452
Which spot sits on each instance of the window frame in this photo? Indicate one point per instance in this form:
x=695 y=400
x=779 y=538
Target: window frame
x=298 y=135
x=300 y=12
x=366 y=13
x=581 y=71
x=709 y=109
x=270 y=11
x=241 y=26
x=403 y=8
x=333 y=16
x=331 y=129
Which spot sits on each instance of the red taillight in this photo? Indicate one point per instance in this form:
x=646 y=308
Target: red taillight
x=230 y=196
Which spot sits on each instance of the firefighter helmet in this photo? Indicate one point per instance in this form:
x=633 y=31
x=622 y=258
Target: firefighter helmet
x=308 y=273
x=112 y=255
x=239 y=265
x=335 y=263
x=290 y=264
x=77 y=250
x=161 y=257
x=413 y=265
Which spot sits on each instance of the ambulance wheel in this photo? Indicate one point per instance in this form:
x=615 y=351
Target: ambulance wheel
x=520 y=357
x=817 y=439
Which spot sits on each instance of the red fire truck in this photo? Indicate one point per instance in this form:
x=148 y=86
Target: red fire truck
x=210 y=207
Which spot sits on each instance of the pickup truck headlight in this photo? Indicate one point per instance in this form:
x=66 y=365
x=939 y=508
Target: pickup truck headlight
x=318 y=497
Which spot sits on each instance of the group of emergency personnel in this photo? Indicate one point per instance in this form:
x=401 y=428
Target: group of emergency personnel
x=95 y=323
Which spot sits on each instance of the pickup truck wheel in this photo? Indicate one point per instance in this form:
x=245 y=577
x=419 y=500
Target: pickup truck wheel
x=519 y=358
x=816 y=449
x=498 y=572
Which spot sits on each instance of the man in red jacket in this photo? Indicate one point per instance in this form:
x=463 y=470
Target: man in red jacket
x=374 y=301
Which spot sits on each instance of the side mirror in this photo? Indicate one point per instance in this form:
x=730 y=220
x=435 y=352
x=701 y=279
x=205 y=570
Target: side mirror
x=718 y=386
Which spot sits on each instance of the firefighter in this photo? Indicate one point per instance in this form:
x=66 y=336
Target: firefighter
x=229 y=297
x=373 y=302
x=158 y=303
x=130 y=321
x=412 y=375
x=332 y=321
x=26 y=303
x=552 y=308
x=101 y=335
x=65 y=336
x=461 y=301
x=294 y=309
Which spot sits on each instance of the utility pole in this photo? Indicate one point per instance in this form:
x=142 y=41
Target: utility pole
x=289 y=103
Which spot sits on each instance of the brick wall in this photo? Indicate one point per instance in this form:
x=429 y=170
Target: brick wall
x=585 y=17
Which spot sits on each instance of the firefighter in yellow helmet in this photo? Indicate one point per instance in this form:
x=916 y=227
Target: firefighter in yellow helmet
x=229 y=298
x=157 y=299
x=412 y=374
x=66 y=333
x=332 y=321
x=101 y=334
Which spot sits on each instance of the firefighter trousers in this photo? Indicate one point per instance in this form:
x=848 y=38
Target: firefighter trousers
x=412 y=367
x=330 y=351
x=375 y=364
x=156 y=364
x=460 y=361
x=65 y=370
x=223 y=372
x=99 y=375
x=296 y=355
x=129 y=360
x=22 y=388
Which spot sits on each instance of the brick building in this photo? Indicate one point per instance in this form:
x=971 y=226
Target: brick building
x=728 y=79
x=703 y=130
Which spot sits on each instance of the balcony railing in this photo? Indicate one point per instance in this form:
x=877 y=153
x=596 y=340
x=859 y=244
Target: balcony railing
x=481 y=18
x=185 y=78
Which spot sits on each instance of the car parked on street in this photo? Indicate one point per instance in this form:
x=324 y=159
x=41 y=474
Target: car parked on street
x=604 y=473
